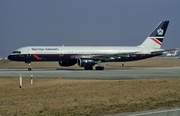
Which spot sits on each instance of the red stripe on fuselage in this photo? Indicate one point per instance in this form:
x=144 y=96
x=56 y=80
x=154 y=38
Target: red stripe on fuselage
x=155 y=40
x=36 y=56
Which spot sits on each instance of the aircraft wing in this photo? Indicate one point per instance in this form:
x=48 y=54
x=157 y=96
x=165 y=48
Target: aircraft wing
x=162 y=51
x=107 y=56
x=116 y=55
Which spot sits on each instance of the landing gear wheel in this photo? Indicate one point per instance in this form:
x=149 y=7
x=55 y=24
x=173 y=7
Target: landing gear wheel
x=88 y=68
x=29 y=69
x=29 y=65
x=99 y=68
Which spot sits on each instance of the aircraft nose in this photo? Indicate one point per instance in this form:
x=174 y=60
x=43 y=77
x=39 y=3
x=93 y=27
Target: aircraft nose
x=11 y=57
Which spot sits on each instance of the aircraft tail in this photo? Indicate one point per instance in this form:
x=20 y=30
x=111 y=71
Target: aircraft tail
x=155 y=39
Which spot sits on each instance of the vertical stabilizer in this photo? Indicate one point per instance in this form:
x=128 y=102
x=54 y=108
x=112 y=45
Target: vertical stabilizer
x=155 y=39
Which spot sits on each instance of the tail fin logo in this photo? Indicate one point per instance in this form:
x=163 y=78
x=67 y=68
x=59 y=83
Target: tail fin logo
x=160 y=31
x=157 y=40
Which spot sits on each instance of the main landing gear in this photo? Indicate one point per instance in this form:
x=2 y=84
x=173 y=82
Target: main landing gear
x=99 y=67
x=91 y=68
x=88 y=68
x=29 y=66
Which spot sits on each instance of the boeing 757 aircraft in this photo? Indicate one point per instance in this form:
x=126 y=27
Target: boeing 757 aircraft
x=88 y=56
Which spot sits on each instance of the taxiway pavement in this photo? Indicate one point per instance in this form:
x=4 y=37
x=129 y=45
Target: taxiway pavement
x=111 y=73
x=161 y=112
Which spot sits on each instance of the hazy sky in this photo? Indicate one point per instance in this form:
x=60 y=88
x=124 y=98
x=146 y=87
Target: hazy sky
x=85 y=22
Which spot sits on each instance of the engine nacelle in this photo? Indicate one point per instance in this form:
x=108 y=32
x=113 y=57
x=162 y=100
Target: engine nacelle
x=66 y=63
x=86 y=62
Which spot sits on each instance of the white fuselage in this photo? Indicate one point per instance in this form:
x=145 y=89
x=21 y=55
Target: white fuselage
x=81 y=50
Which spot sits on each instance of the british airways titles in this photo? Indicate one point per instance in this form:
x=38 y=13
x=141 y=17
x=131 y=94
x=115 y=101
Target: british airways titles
x=45 y=49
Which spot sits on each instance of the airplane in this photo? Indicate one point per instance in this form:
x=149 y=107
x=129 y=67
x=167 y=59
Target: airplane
x=172 y=53
x=88 y=56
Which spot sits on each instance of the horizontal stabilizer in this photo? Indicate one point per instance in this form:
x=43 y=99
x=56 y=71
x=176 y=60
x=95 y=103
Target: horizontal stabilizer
x=162 y=51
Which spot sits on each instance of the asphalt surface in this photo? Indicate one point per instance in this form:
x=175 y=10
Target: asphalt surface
x=112 y=73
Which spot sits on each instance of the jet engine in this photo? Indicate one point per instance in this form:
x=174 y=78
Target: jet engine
x=86 y=62
x=66 y=63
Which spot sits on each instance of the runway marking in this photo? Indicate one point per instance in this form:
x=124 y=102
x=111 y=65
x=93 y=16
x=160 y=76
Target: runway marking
x=154 y=112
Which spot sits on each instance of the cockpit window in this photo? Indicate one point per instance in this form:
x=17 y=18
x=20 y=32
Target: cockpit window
x=16 y=52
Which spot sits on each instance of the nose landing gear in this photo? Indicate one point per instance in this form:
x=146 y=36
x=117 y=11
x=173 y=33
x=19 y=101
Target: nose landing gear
x=29 y=66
